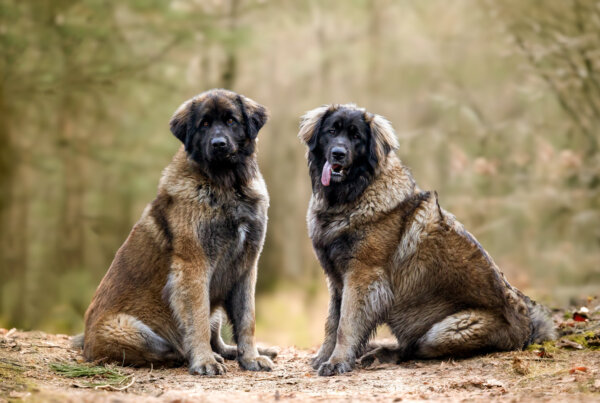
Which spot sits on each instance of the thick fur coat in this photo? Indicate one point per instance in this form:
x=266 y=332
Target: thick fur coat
x=393 y=256
x=193 y=254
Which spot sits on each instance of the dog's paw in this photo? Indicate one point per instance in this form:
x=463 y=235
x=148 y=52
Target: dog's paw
x=208 y=366
x=227 y=352
x=367 y=360
x=330 y=368
x=317 y=361
x=218 y=358
x=270 y=352
x=258 y=363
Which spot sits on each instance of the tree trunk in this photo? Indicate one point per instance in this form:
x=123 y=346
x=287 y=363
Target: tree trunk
x=230 y=69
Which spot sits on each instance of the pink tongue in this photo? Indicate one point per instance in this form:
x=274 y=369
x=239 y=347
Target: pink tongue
x=326 y=175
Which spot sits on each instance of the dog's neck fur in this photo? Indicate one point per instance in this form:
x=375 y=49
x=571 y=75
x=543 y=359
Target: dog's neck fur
x=183 y=172
x=388 y=188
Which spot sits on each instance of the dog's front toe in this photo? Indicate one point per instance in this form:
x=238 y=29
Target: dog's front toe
x=329 y=368
x=258 y=363
x=209 y=367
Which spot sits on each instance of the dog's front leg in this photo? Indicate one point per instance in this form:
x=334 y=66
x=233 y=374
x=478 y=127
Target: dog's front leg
x=240 y=309
x=188 y=294
x=366 y=298
x=331 y=326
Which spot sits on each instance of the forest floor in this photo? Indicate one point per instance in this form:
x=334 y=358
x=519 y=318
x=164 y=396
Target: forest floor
x=36 y=366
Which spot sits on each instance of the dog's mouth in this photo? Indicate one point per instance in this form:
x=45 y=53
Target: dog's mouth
x=332 y=172
x=223 y=155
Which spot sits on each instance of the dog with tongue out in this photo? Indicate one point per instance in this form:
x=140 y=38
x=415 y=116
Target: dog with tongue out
x=393 y=256
x=343 y=159
x=330 y=170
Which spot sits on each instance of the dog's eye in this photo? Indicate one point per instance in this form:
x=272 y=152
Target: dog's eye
x=204 y=123
x=354 y=132
x=331 y=131
x=230 y=122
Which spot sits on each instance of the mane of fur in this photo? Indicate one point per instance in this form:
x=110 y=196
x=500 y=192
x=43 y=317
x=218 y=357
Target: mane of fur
x=381 y=128
x=383 y=136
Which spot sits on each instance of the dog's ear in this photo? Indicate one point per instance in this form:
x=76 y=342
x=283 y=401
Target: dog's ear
x=310 y=123
x=182 y=121
x=383 y=137
x=254 y=115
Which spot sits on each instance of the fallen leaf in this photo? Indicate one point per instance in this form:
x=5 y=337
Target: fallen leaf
x=577 y=317
x=542 y=353
x=577 y=369
x=568 y=323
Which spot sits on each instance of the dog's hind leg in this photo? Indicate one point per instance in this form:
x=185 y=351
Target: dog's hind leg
x=228 y=351
x=126 y=340
x=465 y=333
x=383 y=354
x=217 y=343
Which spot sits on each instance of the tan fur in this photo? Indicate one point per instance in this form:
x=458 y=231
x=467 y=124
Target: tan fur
x=394 y=256
x=163 y=290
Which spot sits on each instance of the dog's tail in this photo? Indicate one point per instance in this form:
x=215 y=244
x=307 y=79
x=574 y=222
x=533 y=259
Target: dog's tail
x=77 y=341
x=542 y=327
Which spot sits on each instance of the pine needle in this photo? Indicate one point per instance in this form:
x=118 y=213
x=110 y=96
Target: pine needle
x=77 y=371
x=104 y=377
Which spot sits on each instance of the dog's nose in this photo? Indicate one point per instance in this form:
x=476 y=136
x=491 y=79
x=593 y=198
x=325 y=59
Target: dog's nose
x=338 y=153
x=218 y=142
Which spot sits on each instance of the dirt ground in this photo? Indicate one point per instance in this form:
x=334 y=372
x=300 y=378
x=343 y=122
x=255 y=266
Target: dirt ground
x=568 y=370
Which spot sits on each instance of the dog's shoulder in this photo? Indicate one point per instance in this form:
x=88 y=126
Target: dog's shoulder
x=179 y=180
x=257 y=189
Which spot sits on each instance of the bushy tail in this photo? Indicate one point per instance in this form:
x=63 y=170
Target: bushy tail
x=542 y=327
x=77 y=341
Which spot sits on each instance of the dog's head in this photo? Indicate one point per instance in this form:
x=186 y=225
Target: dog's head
x=219 y=129
x=346 y=146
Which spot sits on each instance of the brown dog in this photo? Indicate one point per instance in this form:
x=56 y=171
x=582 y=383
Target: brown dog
x=393 y=256
x=193 y=251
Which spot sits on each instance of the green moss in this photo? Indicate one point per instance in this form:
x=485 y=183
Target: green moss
x=589 y=340
x=12 y=377
x=548 y=346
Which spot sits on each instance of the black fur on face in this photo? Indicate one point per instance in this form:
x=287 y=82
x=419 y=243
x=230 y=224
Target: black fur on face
x=219 y=129
x=342 y=141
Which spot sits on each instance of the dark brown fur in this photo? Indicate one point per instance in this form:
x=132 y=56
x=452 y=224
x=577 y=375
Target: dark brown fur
x=393 y=256
x=193 y=254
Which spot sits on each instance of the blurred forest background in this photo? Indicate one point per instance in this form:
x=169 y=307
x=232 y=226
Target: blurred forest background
x=496 y=105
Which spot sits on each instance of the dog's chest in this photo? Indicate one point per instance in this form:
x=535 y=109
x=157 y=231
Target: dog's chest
x=234 y=226
x=334 y=243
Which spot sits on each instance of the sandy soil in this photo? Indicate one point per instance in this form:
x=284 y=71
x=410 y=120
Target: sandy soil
x=565 y=374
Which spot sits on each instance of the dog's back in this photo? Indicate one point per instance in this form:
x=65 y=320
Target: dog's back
x=467 y=305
